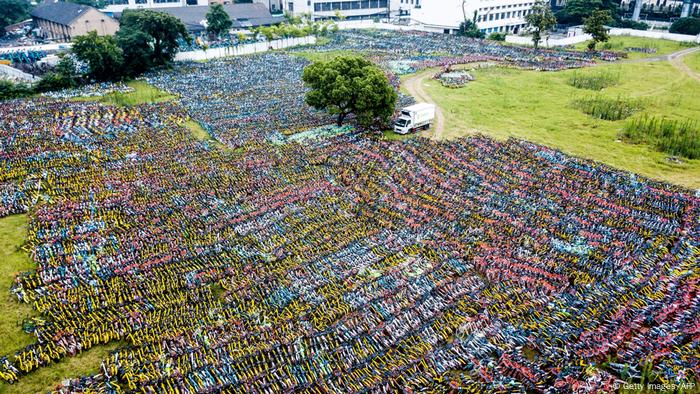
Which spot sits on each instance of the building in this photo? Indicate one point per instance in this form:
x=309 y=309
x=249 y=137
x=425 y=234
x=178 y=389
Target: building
x=62 y=21
x=275 y=6
x=243 y=16
x=350 y=9
x=507 y=16
x=118 y=6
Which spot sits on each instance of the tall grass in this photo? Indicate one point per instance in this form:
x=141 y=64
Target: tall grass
x=606 y=108
x=597 y=81
x=680 y=138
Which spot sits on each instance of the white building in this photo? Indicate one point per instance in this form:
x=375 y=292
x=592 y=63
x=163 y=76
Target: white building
x=117 y=6
x=507 y=16
x=350 y=9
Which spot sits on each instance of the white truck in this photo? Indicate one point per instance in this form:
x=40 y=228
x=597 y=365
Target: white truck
x=413 y=118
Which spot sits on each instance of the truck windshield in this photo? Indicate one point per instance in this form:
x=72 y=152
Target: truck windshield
x=401 y=122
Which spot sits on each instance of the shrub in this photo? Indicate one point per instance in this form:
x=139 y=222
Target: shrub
x=630 y=24
x=681 y=138
x=598 y=81
x=10 y=90
x=607 y=108
x=689 y=26
x=497 y=36
x=54 y=81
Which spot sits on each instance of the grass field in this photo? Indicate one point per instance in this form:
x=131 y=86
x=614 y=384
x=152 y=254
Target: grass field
x=619 y=43
x=536 y=106
x=13 y=230
x=143 y=93
x=45 y=379
x=14 y=260
x=693 y=61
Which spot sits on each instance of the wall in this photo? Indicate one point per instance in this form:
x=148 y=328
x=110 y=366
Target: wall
x=7 y=72
x=526 y=40
x=94 y=20
x=244 y=49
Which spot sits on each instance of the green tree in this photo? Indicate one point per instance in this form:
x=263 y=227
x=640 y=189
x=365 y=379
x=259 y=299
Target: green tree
x=138 y=54
x=218 y=21
x=595 y=26
x=13 y=11
x=686 y=26
x=101 y=53
x=63 y=76
x=350 y=85
x=163 y=31
x=470 y=29
x=540 y=20
x=575 y=11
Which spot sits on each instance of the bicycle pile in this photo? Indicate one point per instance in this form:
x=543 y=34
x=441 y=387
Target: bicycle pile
x=245 y=98
x=91 y=90
x=337 y=263
x=446 y=50
x=453 y=78
x=251 y=98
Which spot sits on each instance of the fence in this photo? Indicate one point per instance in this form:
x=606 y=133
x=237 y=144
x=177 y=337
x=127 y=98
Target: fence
x=244 y=49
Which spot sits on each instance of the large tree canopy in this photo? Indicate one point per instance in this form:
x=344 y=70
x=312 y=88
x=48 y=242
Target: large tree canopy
x=101 y=53
x=13 y=11
x=162 y=30
x=218 y=21
x=138 y=54
x=575 y=11
x=350 y=85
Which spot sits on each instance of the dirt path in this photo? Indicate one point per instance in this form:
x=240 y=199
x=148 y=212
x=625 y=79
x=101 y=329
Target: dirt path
x=414 y=86
x=676 y=60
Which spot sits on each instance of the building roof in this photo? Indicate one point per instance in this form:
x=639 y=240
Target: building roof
x=59 y=11
x=242 y=15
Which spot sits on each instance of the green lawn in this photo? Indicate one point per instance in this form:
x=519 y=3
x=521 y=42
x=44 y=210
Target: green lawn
x=693 y=61
x=13 y=230
x=143 y=93
x=46 y=379
x=619 y=43
x=536 y=106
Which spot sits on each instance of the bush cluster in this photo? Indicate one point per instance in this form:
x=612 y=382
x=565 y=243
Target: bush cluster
x=680 y=138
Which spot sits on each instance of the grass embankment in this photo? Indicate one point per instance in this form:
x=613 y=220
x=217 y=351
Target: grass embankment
x=143 y=93
x=536 y=106
x=619 y=43
x=13 y=230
